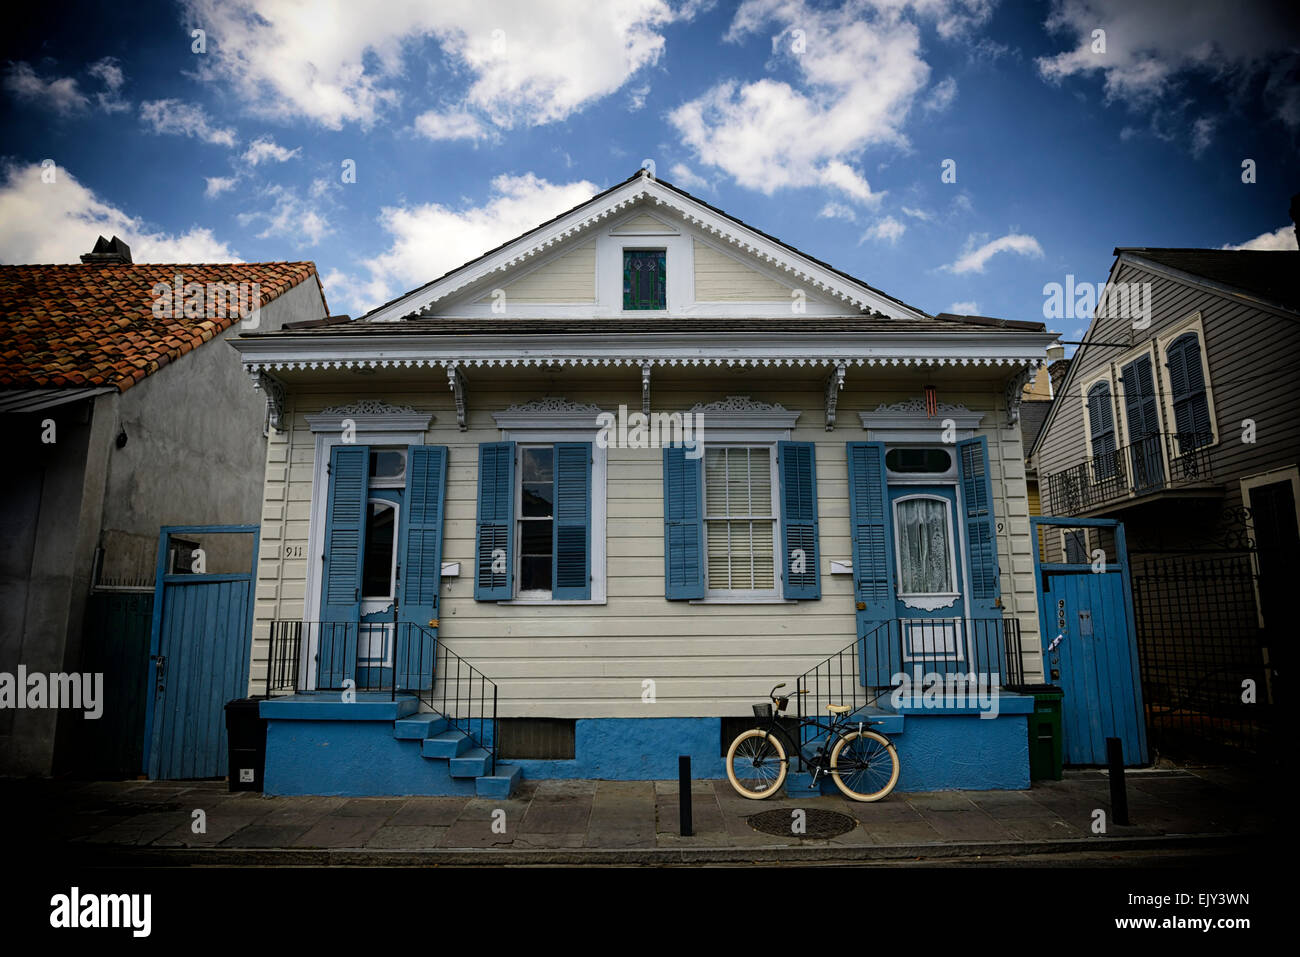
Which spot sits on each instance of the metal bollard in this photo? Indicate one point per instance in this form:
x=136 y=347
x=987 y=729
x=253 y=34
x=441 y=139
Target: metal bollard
x=684 y=794
x=1118 y=793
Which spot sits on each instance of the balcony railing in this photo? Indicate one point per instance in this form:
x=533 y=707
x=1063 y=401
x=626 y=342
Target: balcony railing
x=1159 y=462
x=397 y=657
x=985 y=650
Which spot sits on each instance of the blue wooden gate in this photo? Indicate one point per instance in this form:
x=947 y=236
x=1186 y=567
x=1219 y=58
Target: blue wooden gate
x=1090 y=647
x=199 y=652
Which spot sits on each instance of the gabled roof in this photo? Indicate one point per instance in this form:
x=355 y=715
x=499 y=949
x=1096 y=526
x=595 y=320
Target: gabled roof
x=640 y=187
x=67 y=326
x=1271 y=275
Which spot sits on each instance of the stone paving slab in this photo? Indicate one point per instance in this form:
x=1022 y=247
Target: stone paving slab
x=623 y=821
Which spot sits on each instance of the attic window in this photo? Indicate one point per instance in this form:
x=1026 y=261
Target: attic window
x=644 y=281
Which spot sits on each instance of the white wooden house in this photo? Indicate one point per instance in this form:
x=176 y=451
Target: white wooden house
x=468 y=496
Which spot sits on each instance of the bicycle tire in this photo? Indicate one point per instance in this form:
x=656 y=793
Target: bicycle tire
x=870 y=766
x=765 y=785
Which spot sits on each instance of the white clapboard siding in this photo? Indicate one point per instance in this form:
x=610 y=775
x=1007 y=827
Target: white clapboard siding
x=721 y=278
x=568 y=277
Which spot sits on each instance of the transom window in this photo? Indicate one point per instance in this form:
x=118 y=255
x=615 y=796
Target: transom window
x=740 y=519
x=919 y=460
x=644 y=279
x=536 y=524
x=925 y=547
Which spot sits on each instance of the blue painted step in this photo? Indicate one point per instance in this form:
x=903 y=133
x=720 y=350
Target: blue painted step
x=500 y=785
x=472 y=764
x=447 y=744
x=419 y=726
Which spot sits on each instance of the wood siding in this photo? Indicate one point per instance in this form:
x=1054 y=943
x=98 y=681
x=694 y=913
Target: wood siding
x=720 y=278
x=590 y=660
x=570 y=277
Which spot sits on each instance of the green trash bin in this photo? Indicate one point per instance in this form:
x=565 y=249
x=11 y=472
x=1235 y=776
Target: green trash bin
x=1046 y=746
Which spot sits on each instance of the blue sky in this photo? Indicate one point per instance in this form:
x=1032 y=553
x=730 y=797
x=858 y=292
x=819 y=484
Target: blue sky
x=825 y=124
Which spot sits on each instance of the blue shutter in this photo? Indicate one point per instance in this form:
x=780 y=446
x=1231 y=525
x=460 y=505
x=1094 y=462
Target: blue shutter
x=798 y=464
x=571 y=578
x=496 y=519
x=981 y=528
x=1101 y=423
x=873 y=563
x=1187 y=384
x=1146 y=454
x=421 y=564
x=683 y=525
x=345 y=532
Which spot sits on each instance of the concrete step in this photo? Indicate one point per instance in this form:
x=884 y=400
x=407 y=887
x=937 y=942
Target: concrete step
x=500 y=785
x=472 y=764
x=447 y=744
x=417 y=727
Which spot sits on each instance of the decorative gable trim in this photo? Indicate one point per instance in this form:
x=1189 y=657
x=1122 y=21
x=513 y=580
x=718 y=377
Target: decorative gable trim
x=799 y=271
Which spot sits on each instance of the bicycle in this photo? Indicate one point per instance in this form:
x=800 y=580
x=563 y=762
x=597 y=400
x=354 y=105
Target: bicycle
x=757 y=761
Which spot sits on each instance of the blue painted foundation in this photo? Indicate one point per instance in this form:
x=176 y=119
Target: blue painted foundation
x=317 y=745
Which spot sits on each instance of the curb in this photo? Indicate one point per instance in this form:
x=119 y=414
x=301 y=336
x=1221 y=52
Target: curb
x=651 y=856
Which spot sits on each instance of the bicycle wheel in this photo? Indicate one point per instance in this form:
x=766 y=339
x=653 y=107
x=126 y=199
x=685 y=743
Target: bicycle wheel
x=756 y=764
x=864 y=765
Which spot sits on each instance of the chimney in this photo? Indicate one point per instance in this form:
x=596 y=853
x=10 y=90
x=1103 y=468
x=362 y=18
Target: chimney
x=115 y=253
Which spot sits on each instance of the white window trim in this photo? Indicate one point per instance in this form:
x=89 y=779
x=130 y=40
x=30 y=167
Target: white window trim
x=740 y=596
x=542 y=433
x=927 y=601
x=1194 y=324
x=1287 y=473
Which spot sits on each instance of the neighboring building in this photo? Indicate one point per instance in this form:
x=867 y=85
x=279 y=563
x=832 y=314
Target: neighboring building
x=439 y=497
x=1180 y=416
x=1038 y=396
x=121 y=418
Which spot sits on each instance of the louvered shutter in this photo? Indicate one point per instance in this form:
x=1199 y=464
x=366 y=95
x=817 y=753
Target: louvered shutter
x=798 y=467
x=683 y=526
x=493 y=563
x=421 y=564
x=345 y=529
x=873 y=563
x=571 y=577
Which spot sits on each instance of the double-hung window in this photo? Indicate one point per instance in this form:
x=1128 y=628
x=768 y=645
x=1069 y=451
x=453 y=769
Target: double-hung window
x=740 y=516
x=645 y=283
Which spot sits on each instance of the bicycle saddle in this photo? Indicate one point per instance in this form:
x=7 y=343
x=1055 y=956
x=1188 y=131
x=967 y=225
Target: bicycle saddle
x=839 y=708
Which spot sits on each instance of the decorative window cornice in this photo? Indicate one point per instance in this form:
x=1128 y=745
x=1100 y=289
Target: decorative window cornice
x=370 y=415
x=551 y=412
x=742 y=412
x=907 y=420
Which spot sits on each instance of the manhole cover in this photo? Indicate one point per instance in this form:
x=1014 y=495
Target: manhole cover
x=802 y=822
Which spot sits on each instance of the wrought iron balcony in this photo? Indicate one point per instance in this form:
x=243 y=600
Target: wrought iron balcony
x=1157 y=463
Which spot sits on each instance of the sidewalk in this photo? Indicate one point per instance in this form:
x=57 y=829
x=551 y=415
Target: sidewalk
x=630 y=822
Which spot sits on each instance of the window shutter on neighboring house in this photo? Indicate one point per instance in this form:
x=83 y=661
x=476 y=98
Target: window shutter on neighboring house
x=421 y=563
x=496 y=508
x=1187 y=383
x=981 y=527
x=683 y=525
x=798 y=468
x=1101 y=421
x=345 y=525
x=571 y=577
x=873 y=562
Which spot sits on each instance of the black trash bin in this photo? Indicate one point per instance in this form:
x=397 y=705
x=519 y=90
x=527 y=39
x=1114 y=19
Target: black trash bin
x=246 y=744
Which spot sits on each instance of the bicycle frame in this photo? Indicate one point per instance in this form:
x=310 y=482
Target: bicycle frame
x=838 y=727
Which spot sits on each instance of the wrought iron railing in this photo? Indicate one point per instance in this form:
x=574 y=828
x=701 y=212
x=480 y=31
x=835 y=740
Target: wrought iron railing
x=965 y=650
x=397 y=657
x=1158 y=462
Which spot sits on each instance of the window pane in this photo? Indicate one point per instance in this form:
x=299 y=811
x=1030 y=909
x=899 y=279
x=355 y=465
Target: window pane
x=537 y=464
x=918 y=460
x=537 y=475
x=644 y=279
x=740 y=530
x=535 y=555
x=377 y=571
x=387 y=463
x=924 y=554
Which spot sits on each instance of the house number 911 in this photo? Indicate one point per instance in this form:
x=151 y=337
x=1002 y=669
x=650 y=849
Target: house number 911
x=293 y=551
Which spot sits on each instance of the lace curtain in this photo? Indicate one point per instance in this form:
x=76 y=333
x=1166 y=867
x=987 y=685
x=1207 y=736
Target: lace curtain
x=923 y=546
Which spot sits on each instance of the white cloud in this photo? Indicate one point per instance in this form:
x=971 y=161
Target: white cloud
x=1202 y=134
x=216 y=185
x=976 y=256
x=838 y=211
x=1152 y=47
x=457 y=125
x=941 y=96
x=287 y=215
x=528 y=62
x=1282 y=238
x=265 y=148
x=683 y=176
x=859 y=75
x=920 y=214
x=60 y=95
x=966 y=308
x=57 y=222
x=636 y=97
x=109 y=72
x=887 y=230
x=432 y=239
x=178 y=118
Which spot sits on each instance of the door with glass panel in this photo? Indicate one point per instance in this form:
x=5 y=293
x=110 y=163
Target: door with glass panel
x=928 y=599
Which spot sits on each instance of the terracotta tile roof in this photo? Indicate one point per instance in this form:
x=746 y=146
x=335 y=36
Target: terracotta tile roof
x=94 y=325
